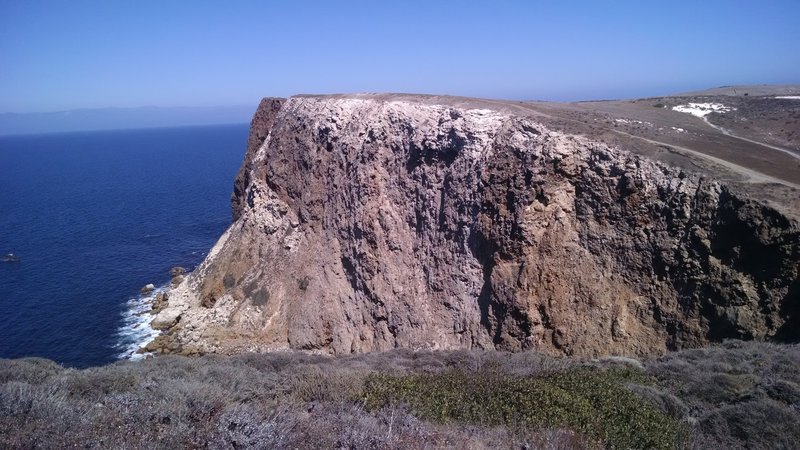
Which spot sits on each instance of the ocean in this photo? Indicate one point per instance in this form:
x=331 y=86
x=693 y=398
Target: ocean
x=93 y=217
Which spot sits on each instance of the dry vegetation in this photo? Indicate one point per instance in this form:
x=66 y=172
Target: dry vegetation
x=733 y=396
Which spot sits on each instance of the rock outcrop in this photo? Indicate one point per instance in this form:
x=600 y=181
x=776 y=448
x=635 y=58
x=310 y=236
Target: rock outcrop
x=367 y=223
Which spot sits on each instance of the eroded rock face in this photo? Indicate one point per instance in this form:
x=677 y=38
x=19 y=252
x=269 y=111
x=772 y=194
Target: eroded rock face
x=365 y=224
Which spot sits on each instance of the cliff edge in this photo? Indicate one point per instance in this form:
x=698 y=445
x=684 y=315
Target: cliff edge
x=369 y=222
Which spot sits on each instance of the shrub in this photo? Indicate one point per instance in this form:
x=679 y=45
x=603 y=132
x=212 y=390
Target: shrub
x=784 y=391
x=592 y=402
x=260 y=297
x=731 y=396
x=754 y=424
x=93 y=384
x=742 y=394
x=315 y=383
x=29 y=370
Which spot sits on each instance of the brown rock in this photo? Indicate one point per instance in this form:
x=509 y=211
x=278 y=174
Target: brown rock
x=148 y=288
x=260 y=127
x=367 y=223
x=160 y=302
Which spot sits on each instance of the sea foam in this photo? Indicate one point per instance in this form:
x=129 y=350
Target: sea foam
x=136 y=331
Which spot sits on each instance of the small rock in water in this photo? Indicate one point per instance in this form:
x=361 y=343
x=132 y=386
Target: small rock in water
x=148 y=288
x=10 y=257
x=177 y=270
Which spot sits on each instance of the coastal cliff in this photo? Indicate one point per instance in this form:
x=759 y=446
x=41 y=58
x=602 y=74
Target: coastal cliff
x=369 y=222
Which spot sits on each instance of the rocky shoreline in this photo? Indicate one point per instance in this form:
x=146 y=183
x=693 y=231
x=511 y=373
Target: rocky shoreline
x=163 y=323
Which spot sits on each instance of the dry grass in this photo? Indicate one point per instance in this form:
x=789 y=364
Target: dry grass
x=732 y=396
x=738 y=395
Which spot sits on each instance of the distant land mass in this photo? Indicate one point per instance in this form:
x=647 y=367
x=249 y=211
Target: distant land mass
x=121 y=118
x=745 y=90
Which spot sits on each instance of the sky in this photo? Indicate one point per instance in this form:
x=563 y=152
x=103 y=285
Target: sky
x=63 y=55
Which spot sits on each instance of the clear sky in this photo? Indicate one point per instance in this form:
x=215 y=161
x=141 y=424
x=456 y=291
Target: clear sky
x=59 y=55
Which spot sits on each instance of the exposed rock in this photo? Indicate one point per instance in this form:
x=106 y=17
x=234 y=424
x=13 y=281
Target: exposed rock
x=160 y=303
x=148 y=288
x=162 y=344
x=177 y=270
x=260 y=127
x=364 y=223
x=166 y=318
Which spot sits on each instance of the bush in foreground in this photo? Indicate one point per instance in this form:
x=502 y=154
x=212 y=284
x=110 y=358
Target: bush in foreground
x=733 y=396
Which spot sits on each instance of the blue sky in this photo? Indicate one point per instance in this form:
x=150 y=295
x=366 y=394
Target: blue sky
x=61 y=55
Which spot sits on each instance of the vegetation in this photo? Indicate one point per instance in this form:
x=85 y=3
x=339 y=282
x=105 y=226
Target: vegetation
x=593 y=402
x=737 y=395
x=303 y=283
x=732 y=396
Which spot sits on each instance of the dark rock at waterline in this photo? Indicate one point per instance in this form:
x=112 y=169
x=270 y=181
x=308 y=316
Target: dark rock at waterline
x=164 y=345
x=177 y=270
x=148 y=288
x=160 y=302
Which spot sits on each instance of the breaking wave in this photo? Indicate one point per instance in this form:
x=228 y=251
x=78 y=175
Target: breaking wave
x=136 y=331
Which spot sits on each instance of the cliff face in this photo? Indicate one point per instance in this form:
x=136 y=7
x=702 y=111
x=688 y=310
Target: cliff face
x=366 y=223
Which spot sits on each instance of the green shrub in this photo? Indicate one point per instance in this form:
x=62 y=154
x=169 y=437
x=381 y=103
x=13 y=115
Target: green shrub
x=595 y=403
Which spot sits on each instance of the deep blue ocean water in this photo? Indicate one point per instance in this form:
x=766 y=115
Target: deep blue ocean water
x=94 y=216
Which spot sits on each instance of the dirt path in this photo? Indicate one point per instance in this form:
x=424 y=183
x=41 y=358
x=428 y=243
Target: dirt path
x=727 y=132
x=751 y=176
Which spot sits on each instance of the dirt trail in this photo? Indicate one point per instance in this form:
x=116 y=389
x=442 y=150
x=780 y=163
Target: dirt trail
x=727 y=132
x=750 y=175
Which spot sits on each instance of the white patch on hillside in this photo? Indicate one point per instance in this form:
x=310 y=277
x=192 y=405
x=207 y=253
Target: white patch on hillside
x=261 y=153
x=218 y=246
x=789 y=97
x=629 y=121
x=702 y=109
